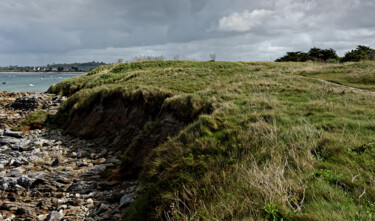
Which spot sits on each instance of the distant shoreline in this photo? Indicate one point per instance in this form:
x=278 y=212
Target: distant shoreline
x=49 y=72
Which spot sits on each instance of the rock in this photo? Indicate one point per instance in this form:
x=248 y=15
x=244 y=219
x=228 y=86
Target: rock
x=26 y=103
x=41 y=217
x=8 y=216
x=26 y=211
x=96 y=169
x=103 y=207
x=81 y=163
x=82 y=154
x=113 y=161
x=18 y=162
x=2 y=167
x=73 y=154
x=38 y=182
x=99 y=161
x=89 y=202
x=10 y=133
x=126 y=199
x=55 y=162
x=8 y=140
x=25 y=182
x=62 y=180
x=15 y=172
x=23 y=144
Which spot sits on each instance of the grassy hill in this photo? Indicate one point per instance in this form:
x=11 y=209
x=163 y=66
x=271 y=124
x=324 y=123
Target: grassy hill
x=259 y=140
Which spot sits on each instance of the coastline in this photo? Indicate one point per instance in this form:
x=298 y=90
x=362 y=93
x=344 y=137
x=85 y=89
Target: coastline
x=45 y=175
x=49 y=72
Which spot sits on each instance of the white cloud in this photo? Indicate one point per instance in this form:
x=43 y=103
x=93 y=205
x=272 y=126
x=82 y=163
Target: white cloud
x=244 y=21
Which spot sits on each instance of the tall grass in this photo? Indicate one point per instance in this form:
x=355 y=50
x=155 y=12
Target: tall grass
x=277 y=145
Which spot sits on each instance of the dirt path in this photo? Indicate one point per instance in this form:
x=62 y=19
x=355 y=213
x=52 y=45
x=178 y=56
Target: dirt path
x=345 y=87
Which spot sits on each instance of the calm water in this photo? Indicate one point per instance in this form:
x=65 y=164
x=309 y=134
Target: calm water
x=31 y=82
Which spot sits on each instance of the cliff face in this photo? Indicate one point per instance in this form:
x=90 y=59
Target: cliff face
x=134 y=124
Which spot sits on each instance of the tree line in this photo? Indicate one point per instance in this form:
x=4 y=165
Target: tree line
x=361 y=53
x=72 y=67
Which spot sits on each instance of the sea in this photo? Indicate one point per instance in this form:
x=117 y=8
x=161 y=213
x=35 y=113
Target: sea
x=31 y=82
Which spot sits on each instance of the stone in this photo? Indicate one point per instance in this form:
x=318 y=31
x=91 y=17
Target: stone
x=15 y=172
x=26 y=211
x=27 y=102
x=103 y=207
x=113 y=161
x=41 y=217
x=8 y=140
x=55 y=162
x=90 y=202
x=99 y=161
x=81 y=163
x=25 y=182
x=126 y=199
x=10 y=133
x=23 y=145
x=73 y=154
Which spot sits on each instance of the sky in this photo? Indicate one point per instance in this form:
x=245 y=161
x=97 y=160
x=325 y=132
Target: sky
x=40 y=32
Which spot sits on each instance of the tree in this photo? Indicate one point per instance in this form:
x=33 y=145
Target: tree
x=323 y=54
x=298 y=56
x=359 y=54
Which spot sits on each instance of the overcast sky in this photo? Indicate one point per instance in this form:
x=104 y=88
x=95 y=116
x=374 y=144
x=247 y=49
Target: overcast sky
x=38 y=32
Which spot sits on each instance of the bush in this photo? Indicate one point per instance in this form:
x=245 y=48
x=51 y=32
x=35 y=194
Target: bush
x=359 y=54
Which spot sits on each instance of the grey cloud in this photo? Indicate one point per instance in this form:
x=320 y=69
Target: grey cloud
x=45 y=31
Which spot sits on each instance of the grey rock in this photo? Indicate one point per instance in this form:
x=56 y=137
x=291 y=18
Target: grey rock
x=113 y=161
x=81 y=163
x=23 y=144
x=126 y=199
x=16 y=189
x=8 y=140
x=96 y=169
x=15 y=154
x=18 y=162
x=10 y=133
x=55 y=216
x=82 y=153
x=103 y=207
x=15 y=172
x=25 y=182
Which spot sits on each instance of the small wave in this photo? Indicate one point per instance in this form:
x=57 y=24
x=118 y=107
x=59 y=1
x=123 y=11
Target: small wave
x=31 y=85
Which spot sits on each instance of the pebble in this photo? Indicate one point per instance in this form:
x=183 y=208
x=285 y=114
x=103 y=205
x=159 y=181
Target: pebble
x=47 y=176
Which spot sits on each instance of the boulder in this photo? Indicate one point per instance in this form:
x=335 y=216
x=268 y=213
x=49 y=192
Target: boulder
x=26 y=103
x=7 y=140
x=10 y=133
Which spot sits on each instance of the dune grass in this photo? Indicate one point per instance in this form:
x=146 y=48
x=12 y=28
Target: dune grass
x=359 y=75
x=278 y=145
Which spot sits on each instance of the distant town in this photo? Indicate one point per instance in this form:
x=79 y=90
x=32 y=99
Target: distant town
x=73 y=67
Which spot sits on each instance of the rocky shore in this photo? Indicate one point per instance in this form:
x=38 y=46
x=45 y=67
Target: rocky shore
x=47 y=176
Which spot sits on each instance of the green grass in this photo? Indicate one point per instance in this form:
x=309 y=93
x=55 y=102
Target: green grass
x=34 y=120
x=359 y=75
x=277 y=145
